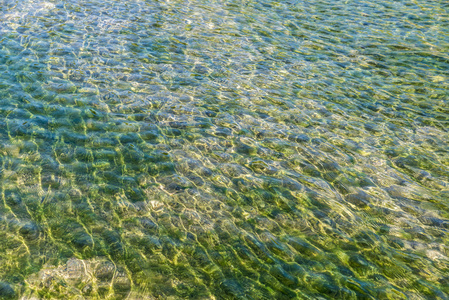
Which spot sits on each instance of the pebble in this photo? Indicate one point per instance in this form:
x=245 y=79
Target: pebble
x=61 y=87
x=233 y=289
x=359 y=263
x=122 y=284
x=13 y=198
x=259 y=248
x=6 y=291
x=81 y=240
x=105 y=271
x=75 y=269
x=304 y=247
x=360 y=199
x=150 y=243
x=114 y=243
x=299 y=138
x=284 y=277
x=29 y=231
x=148 y=224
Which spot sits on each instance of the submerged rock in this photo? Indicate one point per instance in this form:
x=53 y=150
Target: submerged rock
x=233 y=289
x=105 y=270
x=13 y=198
x=360 y=199
x=61 y=87
x=284 y=277
x=29 y=231
x=93 y=278
x=6 y=291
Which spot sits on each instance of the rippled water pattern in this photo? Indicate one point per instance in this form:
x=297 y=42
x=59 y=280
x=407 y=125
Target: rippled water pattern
x=224 y=149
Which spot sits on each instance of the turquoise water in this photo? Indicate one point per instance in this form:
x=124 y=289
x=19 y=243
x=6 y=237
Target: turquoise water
x=224 y=149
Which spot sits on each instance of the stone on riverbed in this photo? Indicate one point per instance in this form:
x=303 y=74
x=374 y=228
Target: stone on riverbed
x=6 y=291
x=87 y=279
x=61 y=87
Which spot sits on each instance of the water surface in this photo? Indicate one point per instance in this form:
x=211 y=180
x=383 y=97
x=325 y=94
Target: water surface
x=224 y=149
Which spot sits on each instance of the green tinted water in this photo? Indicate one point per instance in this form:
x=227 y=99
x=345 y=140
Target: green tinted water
x=224 y=149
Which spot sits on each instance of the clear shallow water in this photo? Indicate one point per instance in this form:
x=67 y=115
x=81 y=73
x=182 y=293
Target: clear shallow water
x=224 y=149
